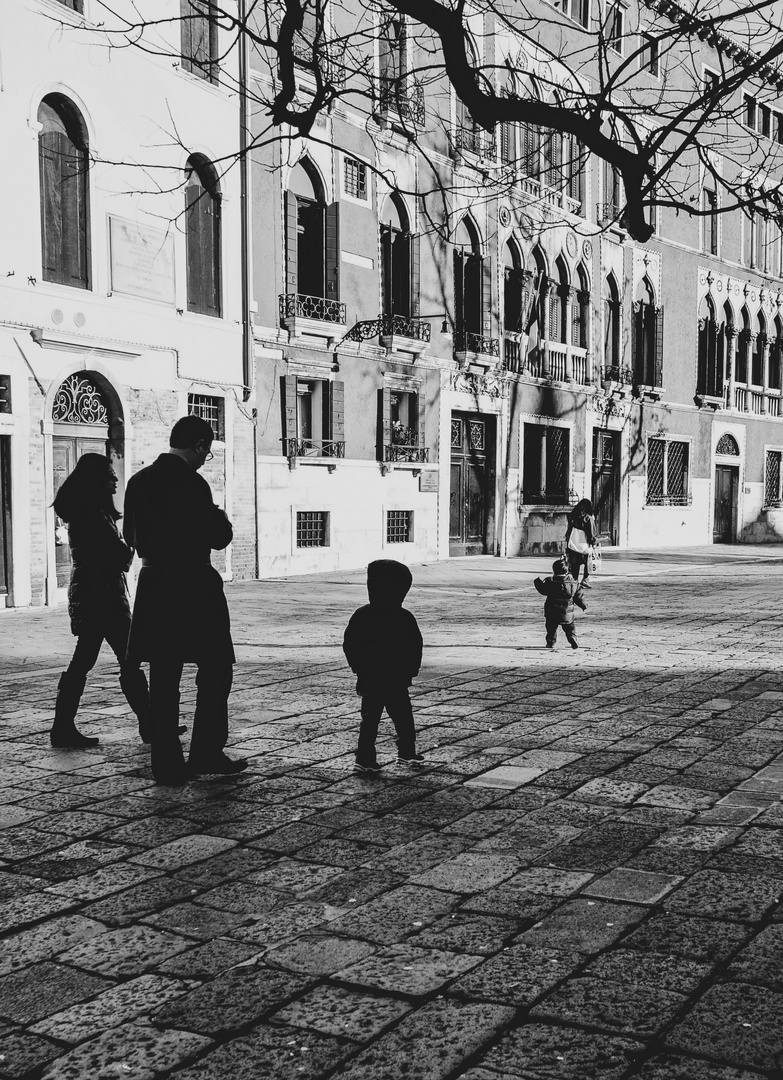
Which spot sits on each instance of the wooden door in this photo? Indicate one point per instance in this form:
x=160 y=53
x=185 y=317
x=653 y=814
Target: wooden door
x=472 y=477
x=724 y=525
x=606 y=483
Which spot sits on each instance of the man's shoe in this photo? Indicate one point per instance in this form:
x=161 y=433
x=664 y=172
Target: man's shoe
x=367 y=767
x=71 y=739
x=220 y=764
x=411 y=759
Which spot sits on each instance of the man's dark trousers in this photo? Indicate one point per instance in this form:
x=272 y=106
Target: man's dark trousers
x=210 y=721
x=398 y=705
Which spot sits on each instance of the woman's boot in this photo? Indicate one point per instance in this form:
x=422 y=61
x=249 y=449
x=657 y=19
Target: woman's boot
x=133 y=684
x=64 y=733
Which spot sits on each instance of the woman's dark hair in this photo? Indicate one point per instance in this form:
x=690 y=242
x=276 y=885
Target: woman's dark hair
x=584 y=506
x=84 y=491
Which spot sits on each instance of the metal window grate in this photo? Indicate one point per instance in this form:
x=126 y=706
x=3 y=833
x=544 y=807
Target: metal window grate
x=355 y=178
x=772 y=493
x=667 y=473
x=5 y=393
x=210 y=409
x=399 y=526
x=311 y=528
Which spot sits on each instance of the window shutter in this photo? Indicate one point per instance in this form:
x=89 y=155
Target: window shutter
x=332 y=253
x=506 y=142
x=415 y=251
x=195 y=246
x=385 y=422
x=637 y=330
x=288 y=395
x=658 y=347
x=486 y=297
x=211 y=254
x=459 y=298
x=337 y=418
x=291 y=242
x=422 y=431
x=186 y=34
x=386 y=269
x=703 y=362
x=50 y=153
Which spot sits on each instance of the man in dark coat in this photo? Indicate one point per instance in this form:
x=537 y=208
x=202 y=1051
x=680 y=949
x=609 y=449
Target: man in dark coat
x=180 y=614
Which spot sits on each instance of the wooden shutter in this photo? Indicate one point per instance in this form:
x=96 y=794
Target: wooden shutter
x=337 y=411
x=486 y=297
x=415 y=252
x=506 y=142
x=658 y=375
x=64 y=210
x=203 y=247
x=385 y=422
x=459 y=298
x=288 y=401
x=422 y=426
x=50 y=155
x=332 y=252
x=186 y=34
x=386 y=270
x=291 y=242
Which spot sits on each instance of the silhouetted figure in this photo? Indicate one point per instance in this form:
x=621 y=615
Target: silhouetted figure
x=180 y=614
x=580 y=537
x=383 y=646
x=561 y=592
x=97 y=596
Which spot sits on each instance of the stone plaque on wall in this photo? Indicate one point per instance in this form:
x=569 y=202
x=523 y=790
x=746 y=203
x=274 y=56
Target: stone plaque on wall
x=429 y=480
x=141 y=261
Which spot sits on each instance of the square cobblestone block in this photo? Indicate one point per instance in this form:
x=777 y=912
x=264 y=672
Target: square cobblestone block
x=738 y=1024
x=235 y=999
x=208 y=960
x=634 y=886
x=21 y=1053
x=268 y=1052
x=408 y=970
x=675 y=974
x=319 y=954
x=506 y=777
x=46 y=940
x=395 y=915
x=124 y=907
x=294 y=876
x=479 y=935
x=608 y=790
x=42 y=989
x=182 y=852
x=623 y=1008
x=678 y=1067
x=583 y=926
x=333 y=1010
x=546 y=1053
x=103 y=882
x=129 y=950
x=721 y=814
x=725 y=896
x=110 y=1009
x=469 y=872
x=761 y=961
x=697 y=939
x=684 y=798
x=196 y=920
x=519 y=975
x=128 y=1050
x=432 y=1042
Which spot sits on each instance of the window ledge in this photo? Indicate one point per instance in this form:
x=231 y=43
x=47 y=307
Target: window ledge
x=650 y=393
x=709 y=401
x=299 y=327
x=396 y=343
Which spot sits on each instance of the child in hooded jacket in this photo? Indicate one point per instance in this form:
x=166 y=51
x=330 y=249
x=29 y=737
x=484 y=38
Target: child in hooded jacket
x=383 y=646
x=561 y=592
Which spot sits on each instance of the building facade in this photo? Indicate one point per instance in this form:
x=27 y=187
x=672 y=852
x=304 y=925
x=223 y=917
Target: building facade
x=120 y=299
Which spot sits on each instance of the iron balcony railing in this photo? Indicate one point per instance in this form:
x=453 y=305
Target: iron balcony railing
x=607 y=212
x=474 y=141
x=401 y=452
x=406 y=99
x=329 y=448
x=390 y=326
x=621 y=375
x=300 y=306
x=475 y=343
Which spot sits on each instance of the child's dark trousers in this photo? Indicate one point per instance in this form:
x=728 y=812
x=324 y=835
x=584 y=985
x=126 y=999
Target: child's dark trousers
x=569 y=629
x=398 y=705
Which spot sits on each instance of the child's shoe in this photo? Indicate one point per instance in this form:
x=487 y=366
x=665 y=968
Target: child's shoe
x=367 y=767
x=574 y=645
x=411 y=759
x=586 y=584
x=550 y=644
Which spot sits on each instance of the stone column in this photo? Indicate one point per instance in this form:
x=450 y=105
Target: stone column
x=732 y=333
x=764 y=346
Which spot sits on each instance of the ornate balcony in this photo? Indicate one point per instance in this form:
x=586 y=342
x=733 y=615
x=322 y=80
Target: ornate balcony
x=300 y=306
x=473 y=347
x=608 y=213
x=403 y=452
x=473 y=141
x=406 y=99
x=514 y=351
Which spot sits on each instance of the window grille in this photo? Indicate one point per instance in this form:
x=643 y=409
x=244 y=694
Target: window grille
x=727 y=444
x=311 y=528
x=5 y=393
x=772 y=492
x=210 y=409
x=399 y=526
x=545 y=464
x=355 y=178
x=667 y=473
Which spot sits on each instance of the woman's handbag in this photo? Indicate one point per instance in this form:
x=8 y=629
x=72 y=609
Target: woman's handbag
x=594 y=560
x=577 y=541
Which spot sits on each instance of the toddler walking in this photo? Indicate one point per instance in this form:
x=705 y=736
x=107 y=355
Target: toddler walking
x=383 y=647
x=561 y=592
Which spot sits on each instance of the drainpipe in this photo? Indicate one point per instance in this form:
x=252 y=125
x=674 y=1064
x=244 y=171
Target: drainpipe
x=248 y=360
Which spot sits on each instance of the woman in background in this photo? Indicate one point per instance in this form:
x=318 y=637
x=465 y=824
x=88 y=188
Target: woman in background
x=97 y=595
x=580 y=537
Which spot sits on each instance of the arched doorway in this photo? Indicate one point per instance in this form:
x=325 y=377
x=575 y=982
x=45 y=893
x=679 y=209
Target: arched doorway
x=87 y=419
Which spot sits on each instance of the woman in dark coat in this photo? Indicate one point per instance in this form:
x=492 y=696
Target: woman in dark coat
x=97 y=596
x=580 y=537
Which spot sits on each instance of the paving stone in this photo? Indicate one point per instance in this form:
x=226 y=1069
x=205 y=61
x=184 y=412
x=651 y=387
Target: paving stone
x=721 y=814
x=468 y=873
x=677 y=1067
x=726 y=896
x=319 y=954
x=540 y=1052
x=235 y=999
x=610 y=790
x=444 y=1033
x=506 y=777
x=583 y=926
x=294 y=876
x=21 y=1053
x=643 y=1011
x=334 y=1010
x=269 y=1052
x=512 y=902
x=519 y=975
x=129 y=950
x=355 y=887
x=761 y=960
x=550 y=880
x=636 y=886
x=285 y=922
x=103 y=882
x=406 y=969
x=129 y=1050
x=657 y=970
x=395 y=915
x=46 y=940
x=697 y=939
x=181 y=852
x=41 y=989
x=121 y=908
x=195 y=920
x=737 y=1024
x=129 y=1001
x=685 y=798
x=697 y=837
x=479 y=935
x=206 y=961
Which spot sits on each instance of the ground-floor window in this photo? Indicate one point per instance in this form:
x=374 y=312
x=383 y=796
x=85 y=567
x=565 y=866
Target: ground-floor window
x=668 y=465
x=772 y=477
x=545 y=464
x=399 y=526
x=312 y=528
x=211 y=409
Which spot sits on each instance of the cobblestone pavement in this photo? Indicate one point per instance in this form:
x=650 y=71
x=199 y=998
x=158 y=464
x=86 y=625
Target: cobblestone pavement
x=582 y=883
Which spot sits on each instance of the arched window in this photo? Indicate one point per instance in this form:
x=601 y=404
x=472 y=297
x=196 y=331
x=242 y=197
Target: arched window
x=712 y=344
x=758 y=342
x=647 y=337
x=743 y=347
x=580 y=310
x=514 y=293
x=472 y=286
x=63 y=160
x=202 y=233
x=611 y=309
x=775 y=351
x=399 y=261
x=558 y=304
x=312 y=245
